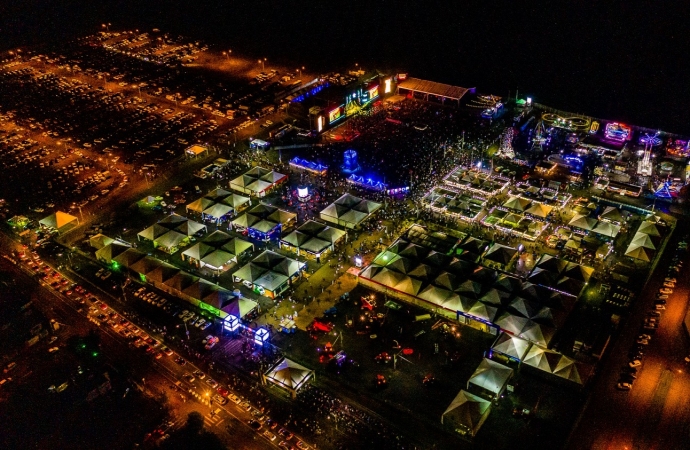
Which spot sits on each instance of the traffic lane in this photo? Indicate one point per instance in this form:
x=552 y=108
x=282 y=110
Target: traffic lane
x=167 y=373
x=607 y=421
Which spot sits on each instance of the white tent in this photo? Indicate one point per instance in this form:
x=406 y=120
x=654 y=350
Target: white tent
x=542 y=359
x=643 y=240
x=649 y=228
x=511 y=346
x=289 y=375
x=466 y=413
x=60 y=221
x=490 y=377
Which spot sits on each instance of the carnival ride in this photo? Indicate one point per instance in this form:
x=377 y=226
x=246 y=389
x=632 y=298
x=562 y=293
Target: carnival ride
x=645 y=166
x=506 y=148
x=566 y=123
x=617 y=131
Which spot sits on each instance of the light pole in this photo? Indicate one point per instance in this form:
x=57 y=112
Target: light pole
x=227 y=54
x=263 y=63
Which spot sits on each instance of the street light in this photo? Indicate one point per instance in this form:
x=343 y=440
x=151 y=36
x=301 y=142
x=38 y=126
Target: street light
x=300 y=71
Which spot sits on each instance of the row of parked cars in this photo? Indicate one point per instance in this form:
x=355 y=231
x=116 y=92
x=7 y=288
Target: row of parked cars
x=651 y=321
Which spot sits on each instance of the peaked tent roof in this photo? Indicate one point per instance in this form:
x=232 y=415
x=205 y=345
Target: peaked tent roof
x=542 y=359
x=100 y=240
x=517 y=203
x=511 y=346
x=539 y=210
x=583 y=222
x=612 y=214
x=490 y=376
x=643 y=240
x=58 y=220
x=289 y=374
x=649 y=228
x=467 y=410
x=606 y=229
x=240 y=307
x=639 y=252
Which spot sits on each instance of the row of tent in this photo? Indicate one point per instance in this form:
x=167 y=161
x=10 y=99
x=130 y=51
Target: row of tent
x=542 y=359
x=218 y=203
x=644 y=243
x=173 y=280
x=462 y=287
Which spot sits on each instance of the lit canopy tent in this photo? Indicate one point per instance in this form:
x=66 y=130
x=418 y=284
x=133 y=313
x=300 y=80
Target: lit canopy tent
x=583 y=222
x=511 y=346
x=612 y=214
x=240 y=307
x=128 y=257
x=537 y=333
x=197 y=251
x=169 y=241
x=289 y=375
x=466 y=413
x=500 y=254
x=606 y=229
x=643 y=240
x=517 y=204
x=110 y=251
x=199 y=205
x=236 y=201
x=542 y=359
x=349 y=211
x=539 y=210
x=490 y=378
x=99 y=241
x=639 y=252
x=649 y=228
x=153 y=232
x=60 y=221
x=511 y=323
x=257 y=181
x=237 y=247
x=217 y=211
x=195 y=150
x=218 y=260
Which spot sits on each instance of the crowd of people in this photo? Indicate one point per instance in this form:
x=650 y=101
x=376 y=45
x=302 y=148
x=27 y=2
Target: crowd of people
x=352 y=424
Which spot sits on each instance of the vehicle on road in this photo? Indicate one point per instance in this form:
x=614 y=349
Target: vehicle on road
x=254 y=425
x=189 y=378
x=624 y=386
x=635 y=363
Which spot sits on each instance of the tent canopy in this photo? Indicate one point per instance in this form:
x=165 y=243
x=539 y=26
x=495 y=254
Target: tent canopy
x=467 y=411
x=490 y=376
x=59 y=220
x=511 y=346
x=289 y=375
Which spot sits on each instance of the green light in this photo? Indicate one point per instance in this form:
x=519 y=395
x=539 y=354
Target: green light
x=94 y=354
x=82 y=346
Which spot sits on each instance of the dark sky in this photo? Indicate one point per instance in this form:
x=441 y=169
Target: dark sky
x=624 y=60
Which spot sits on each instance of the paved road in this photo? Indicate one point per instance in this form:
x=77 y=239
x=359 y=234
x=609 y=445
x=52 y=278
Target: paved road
x=160 y=375
x=656 y=413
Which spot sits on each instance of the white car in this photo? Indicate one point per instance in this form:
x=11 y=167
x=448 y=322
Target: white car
x=624 y=386
x=635 y=363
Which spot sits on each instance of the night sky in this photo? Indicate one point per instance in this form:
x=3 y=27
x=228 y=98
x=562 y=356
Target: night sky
x=618 y=60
